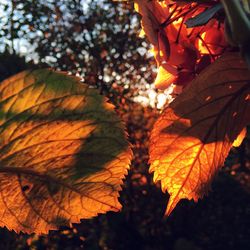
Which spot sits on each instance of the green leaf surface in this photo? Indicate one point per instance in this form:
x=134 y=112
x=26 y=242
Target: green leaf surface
x=203 y=17
x=63 y=152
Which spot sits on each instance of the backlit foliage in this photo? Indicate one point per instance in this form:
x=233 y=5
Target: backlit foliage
x=180 y=52
x=193 y=136
x=63 y=152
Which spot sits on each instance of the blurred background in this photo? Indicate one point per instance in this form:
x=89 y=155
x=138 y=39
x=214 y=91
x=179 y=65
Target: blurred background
x=98 y=41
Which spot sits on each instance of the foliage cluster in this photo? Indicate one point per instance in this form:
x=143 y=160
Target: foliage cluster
x=189 y=142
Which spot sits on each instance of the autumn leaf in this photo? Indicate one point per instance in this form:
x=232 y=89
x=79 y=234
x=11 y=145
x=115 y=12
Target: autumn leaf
x=152 y=14
x=166 y=75
x=237 y=142
x=149 y=22
x=63 y=152
x=194 y=134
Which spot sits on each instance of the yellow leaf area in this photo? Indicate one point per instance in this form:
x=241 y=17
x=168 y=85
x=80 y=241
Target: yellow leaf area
x=63 y=152
x=194 y=134
x=237 y=142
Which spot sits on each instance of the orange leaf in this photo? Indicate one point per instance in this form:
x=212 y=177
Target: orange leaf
x=63 y=152
x=237 y=142
x=193 y=136
x=149 y=22
x=163 y=47
x=166 y=75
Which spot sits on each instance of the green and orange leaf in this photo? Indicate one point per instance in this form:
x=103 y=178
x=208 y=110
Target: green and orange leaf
x=63 y=152
x=193 y=135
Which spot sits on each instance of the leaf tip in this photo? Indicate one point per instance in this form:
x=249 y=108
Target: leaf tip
x=237 y=142
x=172 y=202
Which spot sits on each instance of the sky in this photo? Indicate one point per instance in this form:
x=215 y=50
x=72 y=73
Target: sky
x=24 y=48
